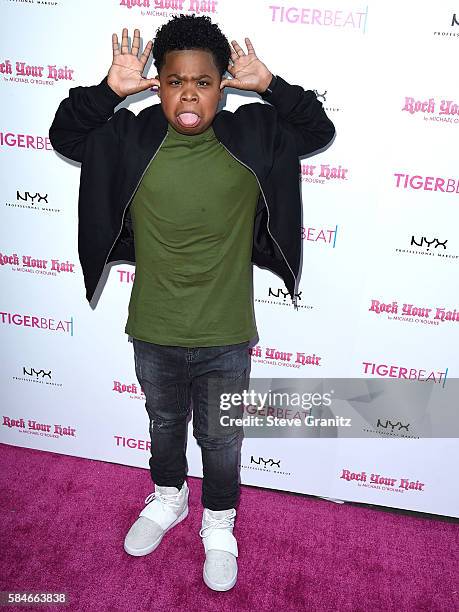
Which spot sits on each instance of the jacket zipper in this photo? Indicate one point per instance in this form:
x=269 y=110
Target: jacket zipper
x=295 y=304
x=128 y=202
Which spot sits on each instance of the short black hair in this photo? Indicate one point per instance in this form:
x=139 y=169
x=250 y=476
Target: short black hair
x=191 y=32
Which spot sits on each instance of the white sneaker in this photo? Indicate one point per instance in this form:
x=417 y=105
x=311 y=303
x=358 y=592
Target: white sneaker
x=220 y=545
x=166 y=507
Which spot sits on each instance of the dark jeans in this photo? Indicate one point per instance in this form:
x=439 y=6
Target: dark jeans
x=174 y=378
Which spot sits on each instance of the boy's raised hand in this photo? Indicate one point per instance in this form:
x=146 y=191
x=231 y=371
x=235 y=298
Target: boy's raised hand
x=247 y=70
x=125 y=74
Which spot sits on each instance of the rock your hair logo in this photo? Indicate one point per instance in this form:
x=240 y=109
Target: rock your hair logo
x=414 y=313
x=49 y=430
x=129 y=390
x=24 y=72
x=437 y=111
x=383 y=482
x=162 y=8
x=323 y=173
x=35 y=265
x=292 y=359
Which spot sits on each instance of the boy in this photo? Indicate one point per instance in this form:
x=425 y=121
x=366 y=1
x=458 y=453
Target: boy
x=209 y=193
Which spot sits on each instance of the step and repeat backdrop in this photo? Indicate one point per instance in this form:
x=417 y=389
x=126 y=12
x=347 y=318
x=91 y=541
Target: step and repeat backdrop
x=378 y=295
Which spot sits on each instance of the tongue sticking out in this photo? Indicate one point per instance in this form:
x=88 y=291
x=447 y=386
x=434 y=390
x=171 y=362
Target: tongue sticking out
x=188 y=119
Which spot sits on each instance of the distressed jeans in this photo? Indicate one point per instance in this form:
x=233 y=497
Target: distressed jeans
x=178 y=381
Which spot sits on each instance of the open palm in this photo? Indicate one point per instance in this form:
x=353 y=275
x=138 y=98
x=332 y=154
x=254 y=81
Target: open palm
x=125 y=74
x=247 y=70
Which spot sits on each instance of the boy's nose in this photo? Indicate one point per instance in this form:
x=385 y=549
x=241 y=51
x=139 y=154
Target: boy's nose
x=189 y=95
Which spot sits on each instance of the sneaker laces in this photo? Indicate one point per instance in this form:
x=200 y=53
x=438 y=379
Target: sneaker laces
x=168 y=499
x=214 y=522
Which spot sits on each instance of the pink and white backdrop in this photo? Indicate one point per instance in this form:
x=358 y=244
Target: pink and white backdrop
x=381 y=212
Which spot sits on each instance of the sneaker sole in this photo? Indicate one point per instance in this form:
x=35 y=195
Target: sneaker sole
x=140 y=552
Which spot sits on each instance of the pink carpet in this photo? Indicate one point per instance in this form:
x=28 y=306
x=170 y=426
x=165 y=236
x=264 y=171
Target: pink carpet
x=64 y=520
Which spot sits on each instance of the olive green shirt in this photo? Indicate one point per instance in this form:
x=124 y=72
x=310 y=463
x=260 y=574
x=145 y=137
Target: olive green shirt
x=193 y=216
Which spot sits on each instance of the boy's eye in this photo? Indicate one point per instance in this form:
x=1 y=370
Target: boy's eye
x=199 y=82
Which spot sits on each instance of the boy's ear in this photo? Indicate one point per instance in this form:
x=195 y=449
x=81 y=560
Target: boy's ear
x=159 y=88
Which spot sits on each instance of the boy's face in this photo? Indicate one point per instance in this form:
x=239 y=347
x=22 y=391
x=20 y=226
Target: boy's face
x=190 y=90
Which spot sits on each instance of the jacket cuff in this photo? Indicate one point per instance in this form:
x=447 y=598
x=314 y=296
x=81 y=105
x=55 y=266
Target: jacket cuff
x=270 y=87
x=105 y=98
x=270 y=90
x=285 y=96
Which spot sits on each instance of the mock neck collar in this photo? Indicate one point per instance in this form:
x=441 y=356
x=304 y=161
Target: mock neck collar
x=208 y=134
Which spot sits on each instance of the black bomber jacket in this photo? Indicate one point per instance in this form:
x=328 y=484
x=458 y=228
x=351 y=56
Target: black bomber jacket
x=115 y=149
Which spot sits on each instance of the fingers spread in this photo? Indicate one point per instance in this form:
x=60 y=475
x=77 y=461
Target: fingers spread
x=237 y=48
x=115 y=45
x=136 y=42
x=249 y=46
x=146 y=53
x=124 y=41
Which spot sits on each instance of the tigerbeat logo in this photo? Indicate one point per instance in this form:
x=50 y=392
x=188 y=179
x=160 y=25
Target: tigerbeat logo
x=344 y=19
x=37 y=322
x=387 y=370
x=426 y=183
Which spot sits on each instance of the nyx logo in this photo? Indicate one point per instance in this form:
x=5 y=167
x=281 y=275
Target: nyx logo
x=282 y=293
x=392 y=425
x=454 y=20
x=38 y=373
x=318 y=95
x=428 y=243
x=28 y=196
x=265 y=462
